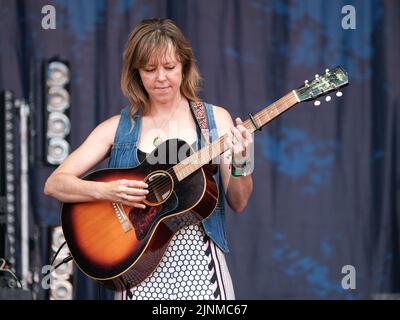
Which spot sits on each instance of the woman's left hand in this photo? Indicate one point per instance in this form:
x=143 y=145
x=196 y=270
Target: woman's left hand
x=240 y=142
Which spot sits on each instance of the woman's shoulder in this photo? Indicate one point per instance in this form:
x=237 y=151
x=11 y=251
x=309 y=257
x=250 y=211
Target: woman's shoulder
x=111 y=123
x=220 y=111
x=222 y=116
x=106 y=130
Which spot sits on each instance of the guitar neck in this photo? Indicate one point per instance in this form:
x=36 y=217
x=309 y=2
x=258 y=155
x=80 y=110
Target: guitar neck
x=194 y=162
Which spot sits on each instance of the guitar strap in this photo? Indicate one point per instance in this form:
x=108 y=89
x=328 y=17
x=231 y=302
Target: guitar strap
x=200 y=114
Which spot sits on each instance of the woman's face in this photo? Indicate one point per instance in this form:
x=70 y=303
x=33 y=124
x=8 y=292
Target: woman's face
x=162 y=77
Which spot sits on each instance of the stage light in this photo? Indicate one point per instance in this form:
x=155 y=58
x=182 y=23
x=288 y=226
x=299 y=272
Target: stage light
x=10 y=219
x=58 y=99
x=62 y=291
x=57 y=74
x=9 y=166
x=8 y=177
x=10 y=197
x=57 y=151
x=58 y=125
x=57 y=238
x=56 y=111
x=11 y=229
x=9 y=147
x=9 y=126
x=62 y=288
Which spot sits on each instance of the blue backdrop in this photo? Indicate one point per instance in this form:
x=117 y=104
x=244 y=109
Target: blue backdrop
x=326 y=180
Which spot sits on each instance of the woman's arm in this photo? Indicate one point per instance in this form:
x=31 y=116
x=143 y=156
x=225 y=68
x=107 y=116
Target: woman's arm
x=65 y=185
x=237 y=189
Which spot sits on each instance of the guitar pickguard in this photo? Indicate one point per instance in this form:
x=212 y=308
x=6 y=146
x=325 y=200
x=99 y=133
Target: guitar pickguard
x=143 y=220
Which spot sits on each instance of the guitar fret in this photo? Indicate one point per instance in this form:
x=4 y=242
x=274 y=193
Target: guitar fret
x=214 y=149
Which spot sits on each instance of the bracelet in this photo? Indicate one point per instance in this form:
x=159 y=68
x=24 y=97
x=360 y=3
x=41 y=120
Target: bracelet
x=241 y=170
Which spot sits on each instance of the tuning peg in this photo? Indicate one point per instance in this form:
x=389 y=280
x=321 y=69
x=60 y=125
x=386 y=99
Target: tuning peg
x=317 y=76
x=306 y=83
x=327 y=71
x=317 y=103
x=328 y=98
x=339 y=94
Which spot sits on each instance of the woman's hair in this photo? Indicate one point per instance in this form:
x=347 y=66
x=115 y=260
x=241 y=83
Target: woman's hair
x=153 y=38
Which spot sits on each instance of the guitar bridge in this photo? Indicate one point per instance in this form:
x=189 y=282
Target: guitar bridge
x=121 y=216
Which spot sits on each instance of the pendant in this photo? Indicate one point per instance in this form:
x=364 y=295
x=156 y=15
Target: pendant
x=157 y=141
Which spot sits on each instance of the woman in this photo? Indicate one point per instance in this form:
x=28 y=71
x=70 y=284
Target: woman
x=161 y=79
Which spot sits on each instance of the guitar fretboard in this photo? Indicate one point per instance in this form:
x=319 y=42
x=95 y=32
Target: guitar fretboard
x=217 y=147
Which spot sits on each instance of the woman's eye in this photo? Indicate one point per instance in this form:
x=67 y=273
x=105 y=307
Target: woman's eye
x=170 y=67
x=149 y=70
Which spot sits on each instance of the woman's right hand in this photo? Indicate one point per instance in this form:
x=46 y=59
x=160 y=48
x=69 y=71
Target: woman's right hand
x=127 y=192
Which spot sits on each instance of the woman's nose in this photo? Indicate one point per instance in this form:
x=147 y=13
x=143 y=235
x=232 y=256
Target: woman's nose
x=160 y=74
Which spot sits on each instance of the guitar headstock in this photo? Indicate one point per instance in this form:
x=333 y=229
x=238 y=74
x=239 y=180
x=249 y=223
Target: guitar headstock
x=332 y=80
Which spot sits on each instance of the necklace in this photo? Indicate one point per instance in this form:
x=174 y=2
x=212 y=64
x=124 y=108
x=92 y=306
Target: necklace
x=157 y=140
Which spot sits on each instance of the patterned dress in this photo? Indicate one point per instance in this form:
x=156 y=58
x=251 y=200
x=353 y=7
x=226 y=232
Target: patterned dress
x=193 y=268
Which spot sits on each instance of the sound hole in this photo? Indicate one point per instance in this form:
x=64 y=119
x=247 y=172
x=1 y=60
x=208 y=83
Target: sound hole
x=160 y=188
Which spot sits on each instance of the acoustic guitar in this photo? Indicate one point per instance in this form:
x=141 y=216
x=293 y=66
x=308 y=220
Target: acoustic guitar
x=121 y=246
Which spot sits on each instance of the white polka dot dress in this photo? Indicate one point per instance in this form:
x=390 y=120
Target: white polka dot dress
x=193 y=268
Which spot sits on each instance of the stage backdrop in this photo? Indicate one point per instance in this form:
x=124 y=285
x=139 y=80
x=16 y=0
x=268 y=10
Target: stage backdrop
x=326 y=179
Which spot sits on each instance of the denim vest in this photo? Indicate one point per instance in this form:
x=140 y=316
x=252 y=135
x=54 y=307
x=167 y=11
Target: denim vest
x=124 y=155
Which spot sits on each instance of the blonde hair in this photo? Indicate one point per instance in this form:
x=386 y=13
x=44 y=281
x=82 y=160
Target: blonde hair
x=151 y=37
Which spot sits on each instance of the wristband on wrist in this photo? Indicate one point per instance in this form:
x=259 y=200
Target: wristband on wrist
x=241 y=170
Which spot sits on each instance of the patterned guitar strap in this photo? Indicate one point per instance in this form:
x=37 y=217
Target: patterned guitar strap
x=200 y=114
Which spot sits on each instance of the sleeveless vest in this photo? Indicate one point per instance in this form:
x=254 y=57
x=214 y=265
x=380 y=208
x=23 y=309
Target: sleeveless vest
x=124 y=155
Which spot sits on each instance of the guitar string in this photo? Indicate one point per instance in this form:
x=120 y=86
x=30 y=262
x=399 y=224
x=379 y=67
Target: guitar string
x=160 y=184
x=276 y=106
